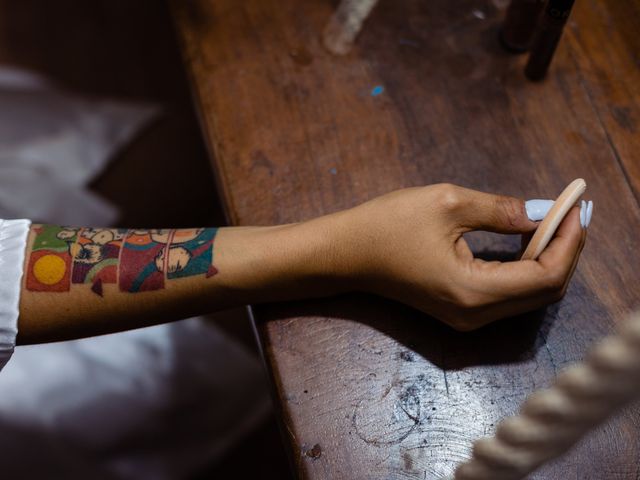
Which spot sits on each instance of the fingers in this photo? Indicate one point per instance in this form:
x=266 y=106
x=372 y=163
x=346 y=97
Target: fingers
x=564 y=249
x=486 y=291
x=575 y=260
x=548 y=275
x=493 y=213
x=491 y=313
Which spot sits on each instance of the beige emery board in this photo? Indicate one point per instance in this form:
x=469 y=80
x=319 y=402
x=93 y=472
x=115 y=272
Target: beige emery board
x=553 y=219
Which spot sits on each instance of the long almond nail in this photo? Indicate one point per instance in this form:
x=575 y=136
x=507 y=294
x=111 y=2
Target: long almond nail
x=537 y=209
x=583 y=214
x=589 y=212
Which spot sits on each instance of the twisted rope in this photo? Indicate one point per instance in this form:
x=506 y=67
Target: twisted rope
x=345 y=24
x=552 y=420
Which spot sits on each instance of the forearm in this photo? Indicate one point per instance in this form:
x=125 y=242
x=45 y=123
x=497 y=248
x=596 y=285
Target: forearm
x=407 y=245
x=82 y=282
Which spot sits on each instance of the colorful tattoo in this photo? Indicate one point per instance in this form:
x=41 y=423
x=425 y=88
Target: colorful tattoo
x=96 y=255
x=49 y=268
x=139 y=267
x=190 y=253
x=135 y=260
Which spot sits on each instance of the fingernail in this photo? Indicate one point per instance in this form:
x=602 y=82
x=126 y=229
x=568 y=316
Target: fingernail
x=537 y=209
x=589 y=212
x=583 y=214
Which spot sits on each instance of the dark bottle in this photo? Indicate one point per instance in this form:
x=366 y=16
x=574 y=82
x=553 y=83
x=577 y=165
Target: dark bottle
x=547 y=37
x=520 y=24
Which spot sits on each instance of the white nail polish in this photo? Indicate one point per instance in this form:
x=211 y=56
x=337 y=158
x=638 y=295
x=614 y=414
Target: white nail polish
x=583 y=214
x=537 y=209
x=589 y=212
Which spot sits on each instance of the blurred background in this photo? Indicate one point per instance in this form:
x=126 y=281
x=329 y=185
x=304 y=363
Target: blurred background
x=103 y=84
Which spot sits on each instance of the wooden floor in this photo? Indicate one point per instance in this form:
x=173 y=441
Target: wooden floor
x=128 y=50
x=370 y=389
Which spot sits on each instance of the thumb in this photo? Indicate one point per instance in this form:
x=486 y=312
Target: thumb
x=493 y=213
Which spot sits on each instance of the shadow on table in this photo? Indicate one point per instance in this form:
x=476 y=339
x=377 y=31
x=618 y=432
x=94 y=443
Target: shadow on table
x=511 y=340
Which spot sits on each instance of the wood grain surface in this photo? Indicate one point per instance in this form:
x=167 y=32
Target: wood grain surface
x=370 y=389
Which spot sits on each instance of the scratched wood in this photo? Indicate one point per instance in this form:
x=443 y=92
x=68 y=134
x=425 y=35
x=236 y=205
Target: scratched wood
x=370 y=389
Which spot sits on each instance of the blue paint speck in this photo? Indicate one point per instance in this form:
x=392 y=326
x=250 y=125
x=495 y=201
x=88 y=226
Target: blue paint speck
x=377 y=90
x=333 y=171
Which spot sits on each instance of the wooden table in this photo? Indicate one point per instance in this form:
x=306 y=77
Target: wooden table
x=370 y=389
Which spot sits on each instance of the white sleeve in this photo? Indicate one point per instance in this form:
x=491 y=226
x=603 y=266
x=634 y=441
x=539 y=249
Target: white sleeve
x=13 y=242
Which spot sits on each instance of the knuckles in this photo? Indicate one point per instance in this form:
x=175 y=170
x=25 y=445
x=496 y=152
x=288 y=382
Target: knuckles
x=555 y=283
x=463 y=309
x=467 y=301
x=511 y=210
x=449 y=197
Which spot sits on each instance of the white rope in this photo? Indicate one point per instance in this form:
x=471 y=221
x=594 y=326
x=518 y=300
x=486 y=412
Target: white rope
x=345 y=24
x=552 y=420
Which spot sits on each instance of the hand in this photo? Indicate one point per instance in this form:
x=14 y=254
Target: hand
x=409 y=246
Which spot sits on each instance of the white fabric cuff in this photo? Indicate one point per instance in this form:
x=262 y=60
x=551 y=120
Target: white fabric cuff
x=13 y=242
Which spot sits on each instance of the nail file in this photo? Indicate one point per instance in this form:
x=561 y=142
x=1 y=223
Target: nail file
x=551 y=222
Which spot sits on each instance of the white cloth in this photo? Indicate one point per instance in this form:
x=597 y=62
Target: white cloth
x=59 y=141
x=13 y=241
x=156 y=403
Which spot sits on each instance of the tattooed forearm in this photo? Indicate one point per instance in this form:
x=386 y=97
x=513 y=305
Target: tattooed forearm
x=135 y=260
x=96 y=255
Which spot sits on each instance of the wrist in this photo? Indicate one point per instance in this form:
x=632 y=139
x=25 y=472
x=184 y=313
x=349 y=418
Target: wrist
x=287 y=262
